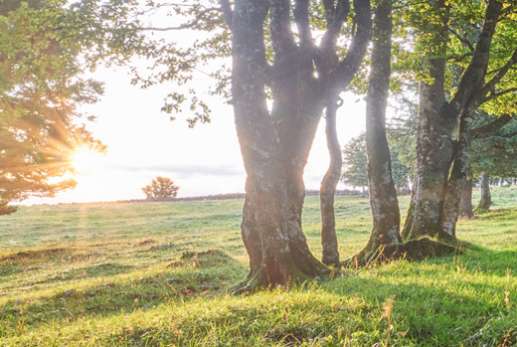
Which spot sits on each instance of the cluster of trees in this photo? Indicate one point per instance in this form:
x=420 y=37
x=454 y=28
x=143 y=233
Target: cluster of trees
x=492 y=158
x=283 y=64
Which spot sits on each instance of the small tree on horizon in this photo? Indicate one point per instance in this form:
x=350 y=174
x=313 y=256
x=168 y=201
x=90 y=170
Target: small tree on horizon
x=161 y=188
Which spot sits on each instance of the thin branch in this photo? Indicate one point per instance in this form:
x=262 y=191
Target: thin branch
x=496 y=94
x=462 y=39
x=202 y=15
x=490 y=128
x=500 y=73
x=472 y=79
x=227 y=12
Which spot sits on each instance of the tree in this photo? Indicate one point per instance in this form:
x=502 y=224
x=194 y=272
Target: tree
x=355 y=162
x=276 y=60
x=382 y=193
x=160 y=189
x=486 y=75
x=492 y=151
x=40 y=86
x=275 y=144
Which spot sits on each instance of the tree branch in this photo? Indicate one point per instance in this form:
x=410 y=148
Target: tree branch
x=347 y=68
x=227 y=12
x=499 y=74
x=490 y=128
x=474 y=75
x=496 y=94
x=301 y=17
x=193 y=23
x=462 y=39
x=334 y=24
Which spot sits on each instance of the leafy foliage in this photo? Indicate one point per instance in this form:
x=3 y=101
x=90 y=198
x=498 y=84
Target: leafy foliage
x=355 y=162
x=45 y=49
x=355 y=165
x=495 y=154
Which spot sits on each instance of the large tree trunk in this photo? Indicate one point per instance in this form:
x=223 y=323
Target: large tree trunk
x=438 y=119
x=457 y=182
x=434 y=142
x=466 y=209
x=329 y=243
x=434 y=155
x=485 y=199
x=271 y=227
x=382 y=192
x=275 y=143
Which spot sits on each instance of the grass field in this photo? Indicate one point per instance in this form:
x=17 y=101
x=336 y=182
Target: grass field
x=157 y=274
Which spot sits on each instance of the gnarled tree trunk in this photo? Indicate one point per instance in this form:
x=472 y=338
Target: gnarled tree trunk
x=329 y=243
x=484 y=188
x=278 y=252
x=439 y=119
x=275 y=143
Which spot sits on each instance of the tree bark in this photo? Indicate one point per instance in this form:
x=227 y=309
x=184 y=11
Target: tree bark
x=438 y=121
x=457 y=182
x=451 y=206
x=466 y=209
x=381 y=188
x=409 y=215
x=329 y=243
x=485 y=200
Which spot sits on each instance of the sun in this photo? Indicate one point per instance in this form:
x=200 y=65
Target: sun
x=86 y=160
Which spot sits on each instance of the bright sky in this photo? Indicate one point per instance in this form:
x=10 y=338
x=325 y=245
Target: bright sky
x=143 y=143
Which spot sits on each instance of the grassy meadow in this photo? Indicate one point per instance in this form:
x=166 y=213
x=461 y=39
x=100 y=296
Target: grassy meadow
x=158 y=274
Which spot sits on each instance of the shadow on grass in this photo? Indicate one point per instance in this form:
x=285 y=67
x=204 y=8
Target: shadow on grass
x=143 y=293
x=358 y=312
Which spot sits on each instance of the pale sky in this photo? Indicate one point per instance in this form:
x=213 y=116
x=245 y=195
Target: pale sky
x=143 y=143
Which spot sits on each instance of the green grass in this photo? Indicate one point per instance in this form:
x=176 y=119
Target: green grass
x=157 y=274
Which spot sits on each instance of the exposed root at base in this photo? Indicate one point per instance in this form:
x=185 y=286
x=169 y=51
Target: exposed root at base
x=413 y=250
x=258 y=280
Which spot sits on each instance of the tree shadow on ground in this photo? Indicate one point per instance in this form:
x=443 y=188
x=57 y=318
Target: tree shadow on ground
x=213 y=272
x=355 y=313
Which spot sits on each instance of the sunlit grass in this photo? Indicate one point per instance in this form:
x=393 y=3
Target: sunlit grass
x=138 y=275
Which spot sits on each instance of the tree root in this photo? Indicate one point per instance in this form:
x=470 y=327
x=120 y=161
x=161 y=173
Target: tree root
x=413 y=250
x=258 y=279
